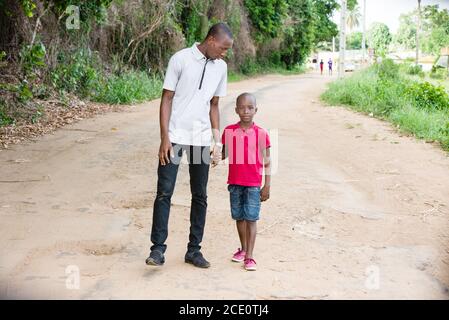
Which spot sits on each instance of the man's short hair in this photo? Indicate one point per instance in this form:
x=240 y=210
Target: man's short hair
x=218 y=30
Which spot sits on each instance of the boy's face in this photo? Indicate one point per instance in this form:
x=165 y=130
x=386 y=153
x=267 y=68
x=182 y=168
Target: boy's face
x=246 y=109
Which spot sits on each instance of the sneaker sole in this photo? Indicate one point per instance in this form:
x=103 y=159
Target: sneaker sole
x=236 y=260
x=191 y=262
x=250 y=269
x=152 y=262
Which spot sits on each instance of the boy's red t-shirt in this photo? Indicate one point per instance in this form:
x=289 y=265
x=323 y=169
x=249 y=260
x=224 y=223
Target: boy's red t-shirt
x=245 y=147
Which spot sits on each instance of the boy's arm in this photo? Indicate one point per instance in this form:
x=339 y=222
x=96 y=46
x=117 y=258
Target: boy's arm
x=224 y=152
x=265 y=192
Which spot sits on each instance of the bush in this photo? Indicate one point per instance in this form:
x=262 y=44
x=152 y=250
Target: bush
x=368 y=92
x=250 y=67
x=414 y=70
x=419 y=108
x=426 y=96
x=84 y=75
x=32 y=57
x=387 y=69
x=438 y=73
x=78 y=73
x=5 y=119
x=131 y=87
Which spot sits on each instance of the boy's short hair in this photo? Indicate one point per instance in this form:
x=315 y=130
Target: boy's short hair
x=244 y=95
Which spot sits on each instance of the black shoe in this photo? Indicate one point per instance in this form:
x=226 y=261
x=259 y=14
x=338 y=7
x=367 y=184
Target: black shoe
x=156 y=258
x=196 y=258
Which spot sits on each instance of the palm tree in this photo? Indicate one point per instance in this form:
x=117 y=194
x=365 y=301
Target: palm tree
x=417 y=31
x=353 y=19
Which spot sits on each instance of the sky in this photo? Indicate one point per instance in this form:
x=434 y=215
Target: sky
x=388 y=11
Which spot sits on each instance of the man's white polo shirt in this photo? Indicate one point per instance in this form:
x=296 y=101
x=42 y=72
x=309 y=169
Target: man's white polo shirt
x=189 y=121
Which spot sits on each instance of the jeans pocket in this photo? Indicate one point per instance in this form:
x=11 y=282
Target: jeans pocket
x=253 y=194
x=235 y=196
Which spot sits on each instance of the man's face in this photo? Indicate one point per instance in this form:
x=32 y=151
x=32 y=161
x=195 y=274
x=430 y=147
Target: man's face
x=218 y=47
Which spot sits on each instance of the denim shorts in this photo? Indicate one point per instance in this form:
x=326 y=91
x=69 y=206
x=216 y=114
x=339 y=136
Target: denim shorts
x=245 y=202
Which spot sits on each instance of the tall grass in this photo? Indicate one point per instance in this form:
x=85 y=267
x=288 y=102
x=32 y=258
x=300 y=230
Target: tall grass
x=131 y=87
x=385 y=91
x=83 y=74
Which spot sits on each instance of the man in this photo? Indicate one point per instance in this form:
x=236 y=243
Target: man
x=330 y=66
x=195 y=79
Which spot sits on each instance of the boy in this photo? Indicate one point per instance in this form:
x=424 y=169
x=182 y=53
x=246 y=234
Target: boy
x=247 y=146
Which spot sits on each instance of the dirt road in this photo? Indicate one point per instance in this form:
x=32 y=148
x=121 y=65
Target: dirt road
x=356 y=210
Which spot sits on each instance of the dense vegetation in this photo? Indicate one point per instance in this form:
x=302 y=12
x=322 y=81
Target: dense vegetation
x=115 y=51
x=398 y=94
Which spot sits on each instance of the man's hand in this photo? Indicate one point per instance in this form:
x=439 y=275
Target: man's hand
x=265 y=193
x=216 y=154
x=165 y=150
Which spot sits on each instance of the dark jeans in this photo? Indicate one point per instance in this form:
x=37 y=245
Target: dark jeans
x=199 y=161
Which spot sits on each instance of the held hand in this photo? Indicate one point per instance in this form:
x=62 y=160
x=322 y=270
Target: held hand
x=265 y=193
x=216 y=154
x=164 y=150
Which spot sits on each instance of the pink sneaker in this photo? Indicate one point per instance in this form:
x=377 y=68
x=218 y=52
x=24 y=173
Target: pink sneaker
x=239 y=256
x=250 y=265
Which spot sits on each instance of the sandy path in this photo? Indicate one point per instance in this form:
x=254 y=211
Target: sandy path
x=357 y=211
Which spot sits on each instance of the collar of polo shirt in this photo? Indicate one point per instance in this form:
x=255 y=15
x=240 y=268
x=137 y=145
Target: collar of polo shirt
x=197 y=53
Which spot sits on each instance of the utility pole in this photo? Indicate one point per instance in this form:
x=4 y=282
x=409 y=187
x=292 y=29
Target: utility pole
x=364 y=31
x=418 y=26
x=341 y=62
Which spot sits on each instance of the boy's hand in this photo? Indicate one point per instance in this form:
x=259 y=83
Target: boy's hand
x=265 y=193
x=216 y=154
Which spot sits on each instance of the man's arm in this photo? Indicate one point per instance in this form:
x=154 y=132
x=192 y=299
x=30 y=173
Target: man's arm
x=265 y=192
x=214 y=115
x=164 y=117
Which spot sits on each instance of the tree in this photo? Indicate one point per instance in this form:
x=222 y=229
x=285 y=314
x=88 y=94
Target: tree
x=267 y=16
x=434 y=33
x=353 y=19
x=435 y=29
x=379 y=37
x=350 y=4
x=405 y=37
x=324 y=27
x=354 y=41
x=299 y=35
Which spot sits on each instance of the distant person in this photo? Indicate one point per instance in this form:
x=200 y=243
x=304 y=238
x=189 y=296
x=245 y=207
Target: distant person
x=321 y=66
x=248 y=148
x=330 y=66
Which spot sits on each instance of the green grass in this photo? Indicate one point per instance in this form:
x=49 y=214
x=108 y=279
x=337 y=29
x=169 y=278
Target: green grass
x=430 y=126
x=131 y=87
x=83 y=74
x=387 y=92
x=235 y=77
